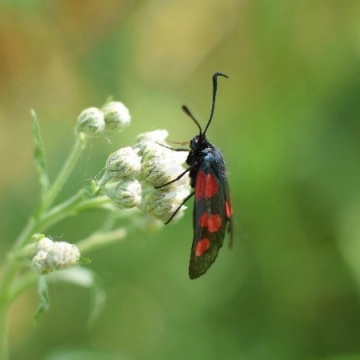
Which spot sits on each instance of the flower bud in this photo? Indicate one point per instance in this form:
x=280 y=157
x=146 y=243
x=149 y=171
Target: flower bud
x=91 y=121
x=44 y=244
x=163 y=166
x=63 y=255
x=126 y=194
x=162 y=205
x=149 y=142
x=117 y=116
x=52 y=255
x=39 y=262
x=124 y=163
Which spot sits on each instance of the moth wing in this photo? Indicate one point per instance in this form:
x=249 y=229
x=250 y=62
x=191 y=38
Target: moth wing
x=210 y=220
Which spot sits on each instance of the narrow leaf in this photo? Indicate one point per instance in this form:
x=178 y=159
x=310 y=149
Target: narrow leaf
x=44 y=297
x=39 y=155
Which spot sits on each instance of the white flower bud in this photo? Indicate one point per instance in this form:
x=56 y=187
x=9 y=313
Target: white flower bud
x=126 y=194
x=45 y=244
x=63 y=255
x=162 y=205
x=39 y=262
x=123 y=163
x=149 y=142
x=153 y=165
x=117 y=116
x=91 y=121
x=163 y=166
x=52 y=256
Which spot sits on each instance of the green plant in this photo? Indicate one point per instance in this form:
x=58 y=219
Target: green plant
x=126 y=192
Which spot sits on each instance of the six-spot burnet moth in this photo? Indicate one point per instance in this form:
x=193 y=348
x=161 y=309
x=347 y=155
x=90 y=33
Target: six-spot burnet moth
x=212 y=213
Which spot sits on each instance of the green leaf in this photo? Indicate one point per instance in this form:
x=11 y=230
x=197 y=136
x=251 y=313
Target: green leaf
x=39 y=155
x=44 y=297
x=88 y=279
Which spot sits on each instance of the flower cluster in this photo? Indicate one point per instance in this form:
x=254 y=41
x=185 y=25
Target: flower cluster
x=134 y=177
x=54 y=255
x=113 y=117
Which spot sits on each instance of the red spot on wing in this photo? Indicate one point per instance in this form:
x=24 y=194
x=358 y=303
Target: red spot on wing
x=206 y=185
x=228 y=210
x=200 y=185
x=211 y=187
x=203 y=220
x=212 y=222
x=202 y=246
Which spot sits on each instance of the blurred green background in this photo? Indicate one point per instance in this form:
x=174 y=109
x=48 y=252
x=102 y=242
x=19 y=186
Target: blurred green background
x=288 y=124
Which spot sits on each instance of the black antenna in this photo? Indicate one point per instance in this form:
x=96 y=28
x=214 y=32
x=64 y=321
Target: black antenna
x=188 y=113
x=214 y=79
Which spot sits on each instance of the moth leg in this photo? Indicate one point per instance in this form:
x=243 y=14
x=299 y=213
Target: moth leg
x=185 y=200
x=177 y=178
x=170 y=148
x=179 y=142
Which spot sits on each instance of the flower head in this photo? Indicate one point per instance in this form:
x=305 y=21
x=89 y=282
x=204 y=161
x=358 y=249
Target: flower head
x=149 y=142
x=124 y=193
x=117 y=116
x=63 y=255
x=162 y=205
x=54 y=255
x=134 y=177
x=91 y=121
x=162 y=166
x=123 y=163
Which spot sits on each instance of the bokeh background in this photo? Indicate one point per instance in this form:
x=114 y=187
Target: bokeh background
x=288 y=124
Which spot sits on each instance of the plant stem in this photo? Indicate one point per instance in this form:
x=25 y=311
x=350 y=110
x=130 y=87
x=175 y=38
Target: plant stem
x=80 y=143
x=97 y=240
x=11 y=266
x=59 y=212
x=41 y=220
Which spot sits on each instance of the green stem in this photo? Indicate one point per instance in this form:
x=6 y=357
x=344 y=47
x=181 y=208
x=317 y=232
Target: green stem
x=10 y=269
x=11 y=265
x=71 y=207
x=80 y=143
x=93 y=203
x=61 y=211
x=98 y=240
x=42 y=220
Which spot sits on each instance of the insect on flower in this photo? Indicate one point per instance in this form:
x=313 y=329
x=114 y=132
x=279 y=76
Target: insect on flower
x=212 y=213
